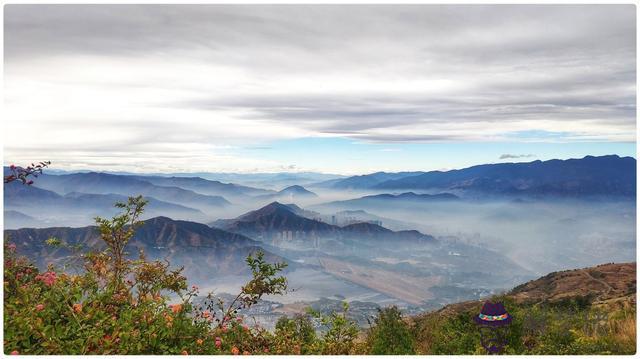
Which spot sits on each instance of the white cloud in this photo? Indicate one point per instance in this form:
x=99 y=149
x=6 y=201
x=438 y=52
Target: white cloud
x=153 y=83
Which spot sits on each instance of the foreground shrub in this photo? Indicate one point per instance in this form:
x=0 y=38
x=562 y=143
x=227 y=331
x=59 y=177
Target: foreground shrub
x=123 y=306
x=296 y=335
x=390 y=334
x=340 y=332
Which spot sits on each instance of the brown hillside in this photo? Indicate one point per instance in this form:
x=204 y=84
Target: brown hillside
x=605 y=283
x=601 y=283
x=607 y=288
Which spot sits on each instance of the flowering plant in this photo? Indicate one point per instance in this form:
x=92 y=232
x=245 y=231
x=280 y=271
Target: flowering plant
x=121 y=306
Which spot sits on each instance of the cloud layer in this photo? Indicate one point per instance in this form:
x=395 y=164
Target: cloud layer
x=111 y=83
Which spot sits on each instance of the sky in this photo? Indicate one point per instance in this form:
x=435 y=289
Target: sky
x=331 y=88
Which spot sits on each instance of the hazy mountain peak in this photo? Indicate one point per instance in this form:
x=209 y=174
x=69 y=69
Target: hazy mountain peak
x=268 y=210
x=296 y=190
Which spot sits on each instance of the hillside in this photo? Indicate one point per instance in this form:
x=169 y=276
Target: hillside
x=598 y=284
x=576 y=308
x=204 y=251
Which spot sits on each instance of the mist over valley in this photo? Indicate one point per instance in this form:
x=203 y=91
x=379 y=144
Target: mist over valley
x=463 y=235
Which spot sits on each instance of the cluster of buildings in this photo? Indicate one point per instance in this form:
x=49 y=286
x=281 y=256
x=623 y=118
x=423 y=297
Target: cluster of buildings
x=283 y=237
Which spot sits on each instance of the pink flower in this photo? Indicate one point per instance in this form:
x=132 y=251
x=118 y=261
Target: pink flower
x=245 y=327
x=239 y=320
x=11 y=246
x=15 y=352
x=40 y=307
x=48 y=278
x=218 y=342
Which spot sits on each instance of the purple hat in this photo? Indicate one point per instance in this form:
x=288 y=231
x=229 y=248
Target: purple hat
x=493 y=314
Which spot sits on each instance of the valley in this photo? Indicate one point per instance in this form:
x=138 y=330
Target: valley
x=443 y=239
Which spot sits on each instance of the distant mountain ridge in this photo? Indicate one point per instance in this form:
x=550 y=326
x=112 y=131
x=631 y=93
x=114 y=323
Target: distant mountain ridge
x=17 y=219
x=589 y=176
x=75 y=207
x=296 y=190
x=290 y=193
x=204 y=186
x=102 y=183
x=366 y=181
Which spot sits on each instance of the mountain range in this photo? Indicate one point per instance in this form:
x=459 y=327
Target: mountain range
x=103 y=183
x=74 y=207
x=590 y=176
x=277 y=217
x=312 y=248
x=205 y=252
x=471 y=234
x=204 y=186
x=365 y=181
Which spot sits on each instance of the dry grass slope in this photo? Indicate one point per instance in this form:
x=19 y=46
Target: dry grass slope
x=607 y=288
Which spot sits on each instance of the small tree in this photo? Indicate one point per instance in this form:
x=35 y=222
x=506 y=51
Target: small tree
x=341 y=331
x=295 y=335
x=263 y=282
x=116 y=233
x=390 y=335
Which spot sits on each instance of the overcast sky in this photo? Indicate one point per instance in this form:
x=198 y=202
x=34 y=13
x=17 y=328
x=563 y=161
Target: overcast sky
x=339 y=89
